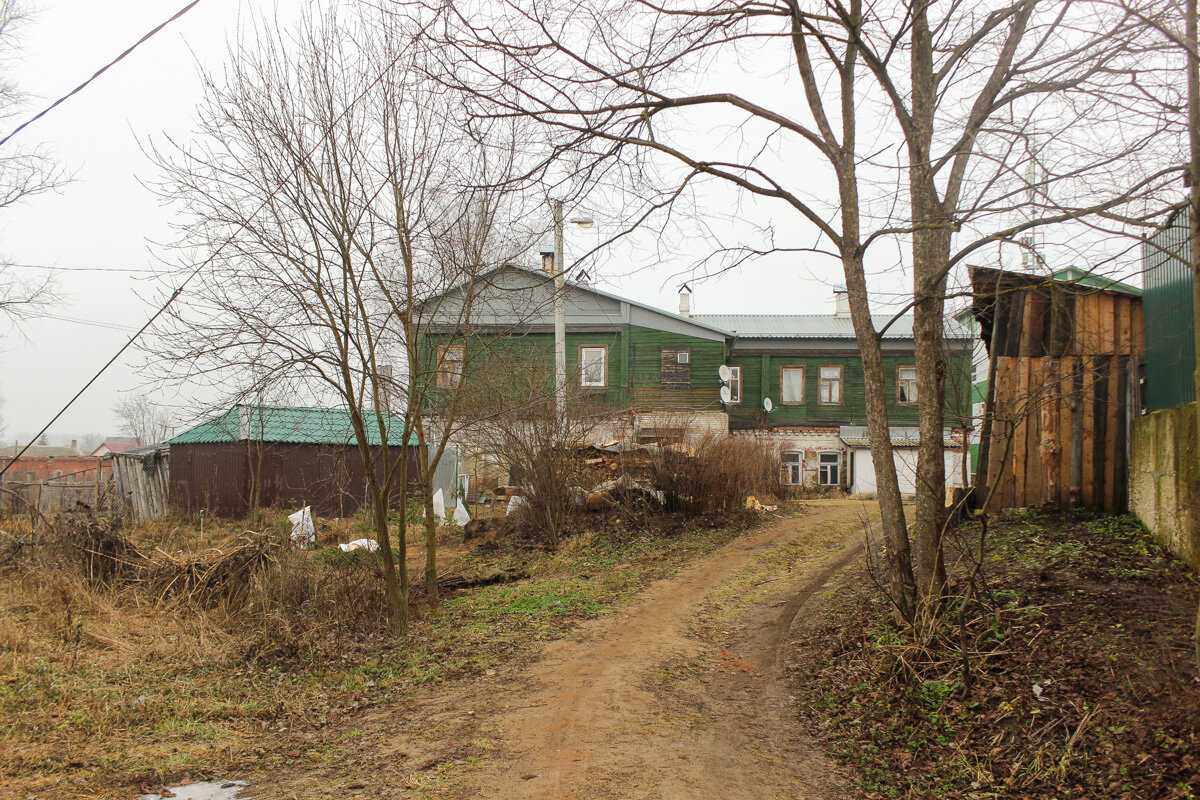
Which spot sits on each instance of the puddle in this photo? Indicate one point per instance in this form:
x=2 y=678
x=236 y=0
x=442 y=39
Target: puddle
x=204 y=790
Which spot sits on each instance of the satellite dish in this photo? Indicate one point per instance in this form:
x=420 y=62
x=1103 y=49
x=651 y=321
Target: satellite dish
x=726 y=395
x=725 y=372
x=767 y=404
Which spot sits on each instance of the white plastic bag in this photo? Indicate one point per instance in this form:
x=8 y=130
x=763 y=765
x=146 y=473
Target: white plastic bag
x=461 y=515
x=370 y=545
x=303 y=532
x=514 y=502
x=439 y=505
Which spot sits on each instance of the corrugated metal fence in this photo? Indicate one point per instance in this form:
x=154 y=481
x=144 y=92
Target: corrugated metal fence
x=1167 y=303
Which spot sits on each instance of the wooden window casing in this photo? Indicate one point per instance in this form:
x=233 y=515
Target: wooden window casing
x=829 y=386
x=906 y=386
x=587 y=378
x=735 y=385
x=783 y=385
x=792 y=467
x=450 y=365
x=829 y=468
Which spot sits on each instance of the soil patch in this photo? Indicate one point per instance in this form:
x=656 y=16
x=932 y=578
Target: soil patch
x=1080 y=664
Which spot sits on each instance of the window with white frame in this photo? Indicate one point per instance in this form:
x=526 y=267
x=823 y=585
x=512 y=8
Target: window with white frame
x=593 y=366
x=830 y=392
x=735 y=384
x=829 y=468
x=791 y=385
x=793 y=468
x=906 y=386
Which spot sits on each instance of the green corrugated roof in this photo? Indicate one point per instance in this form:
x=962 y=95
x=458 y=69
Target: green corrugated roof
x=288 y=425
x=1086 y=278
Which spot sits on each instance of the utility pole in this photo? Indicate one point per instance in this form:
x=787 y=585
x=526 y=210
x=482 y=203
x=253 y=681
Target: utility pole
x=560 y=316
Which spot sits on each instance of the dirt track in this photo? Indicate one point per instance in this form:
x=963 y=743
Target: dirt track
x=682 y=695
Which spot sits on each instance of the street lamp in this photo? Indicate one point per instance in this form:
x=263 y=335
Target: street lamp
x=560 y=309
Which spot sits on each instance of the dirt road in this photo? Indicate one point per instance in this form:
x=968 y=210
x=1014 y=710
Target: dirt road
x=682 y=695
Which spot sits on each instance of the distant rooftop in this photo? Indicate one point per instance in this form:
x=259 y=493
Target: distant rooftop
x=801 y=326
x=288 y=425
x=39 y=451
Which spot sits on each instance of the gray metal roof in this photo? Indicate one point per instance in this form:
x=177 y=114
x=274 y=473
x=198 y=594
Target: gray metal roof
x=814 y=326
x=800 y=326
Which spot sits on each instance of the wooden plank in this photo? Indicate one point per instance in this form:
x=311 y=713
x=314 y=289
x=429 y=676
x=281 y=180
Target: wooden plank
x=1113 y=475
x=1101 y=461
x=997 y=464
x=1035 y=488
x=1020 y=443
x=1088 y=462
x=1077 y=433
x=1120 y=439
x=1048 y=451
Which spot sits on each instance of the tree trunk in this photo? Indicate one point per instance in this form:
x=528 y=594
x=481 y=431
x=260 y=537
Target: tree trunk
x=431 y=526
x=931 y=251
x=397 y=591
x=887 y=486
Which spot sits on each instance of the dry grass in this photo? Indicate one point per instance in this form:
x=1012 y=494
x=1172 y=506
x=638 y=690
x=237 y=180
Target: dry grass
x=189 y=655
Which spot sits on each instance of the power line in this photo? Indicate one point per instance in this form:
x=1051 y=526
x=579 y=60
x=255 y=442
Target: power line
x=97 y=74
x=129 y=270
x=179 y=290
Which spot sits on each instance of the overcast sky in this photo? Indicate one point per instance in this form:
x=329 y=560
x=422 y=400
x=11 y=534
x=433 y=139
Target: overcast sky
x=106 y=218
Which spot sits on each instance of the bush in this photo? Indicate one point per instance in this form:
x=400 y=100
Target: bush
x=716 y=475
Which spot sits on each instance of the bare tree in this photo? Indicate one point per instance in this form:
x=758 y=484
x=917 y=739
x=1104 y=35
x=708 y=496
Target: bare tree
x=143 y=419
x=23 y=173
x=957 y=101
x=330 y=195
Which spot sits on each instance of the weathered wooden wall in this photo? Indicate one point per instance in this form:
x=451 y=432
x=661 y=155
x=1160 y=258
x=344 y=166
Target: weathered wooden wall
x=1063 y=396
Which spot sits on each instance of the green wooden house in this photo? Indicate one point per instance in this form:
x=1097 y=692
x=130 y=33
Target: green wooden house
x=795 y=380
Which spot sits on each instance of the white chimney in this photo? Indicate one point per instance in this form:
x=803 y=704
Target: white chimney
x=841 y=301
x=685 y=301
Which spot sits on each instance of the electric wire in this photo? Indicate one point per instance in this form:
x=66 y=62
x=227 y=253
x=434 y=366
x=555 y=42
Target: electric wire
x=212 y=257
x=97 y=74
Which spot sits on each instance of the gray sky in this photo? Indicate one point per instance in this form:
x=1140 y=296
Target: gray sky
x=107 y=218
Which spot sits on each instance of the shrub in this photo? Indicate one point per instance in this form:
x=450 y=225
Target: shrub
x=716 y=475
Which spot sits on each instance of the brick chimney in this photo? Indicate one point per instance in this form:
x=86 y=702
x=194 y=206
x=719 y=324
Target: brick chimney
x=685 y=301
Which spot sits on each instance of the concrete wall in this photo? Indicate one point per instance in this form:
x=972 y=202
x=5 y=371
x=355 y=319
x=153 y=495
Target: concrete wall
x=1164 y=478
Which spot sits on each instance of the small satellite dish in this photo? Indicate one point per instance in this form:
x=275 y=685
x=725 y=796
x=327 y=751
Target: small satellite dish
x=726 y=395
x=725 y=372
x=767 y=404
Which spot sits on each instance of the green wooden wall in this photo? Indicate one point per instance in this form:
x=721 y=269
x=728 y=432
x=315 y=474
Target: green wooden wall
x=761 y=377
x=634 y=365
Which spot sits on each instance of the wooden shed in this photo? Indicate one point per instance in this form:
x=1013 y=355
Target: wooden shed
x=288 y=457
x=1062 y=387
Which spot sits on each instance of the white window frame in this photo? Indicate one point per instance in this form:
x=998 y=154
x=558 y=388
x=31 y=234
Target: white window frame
x=602 y=383
x=913 y=396
x=826 y=386
x=823 y=468
x=783 y=385
x=790 y=477
x=735 y=385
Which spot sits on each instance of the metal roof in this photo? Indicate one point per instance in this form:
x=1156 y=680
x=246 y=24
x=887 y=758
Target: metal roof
x=288 y=425
x=856 y=436
x=801 y=326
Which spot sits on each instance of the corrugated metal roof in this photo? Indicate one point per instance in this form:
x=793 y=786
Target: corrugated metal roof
x=287 y=425
x=856 y=436
x=801 y=326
